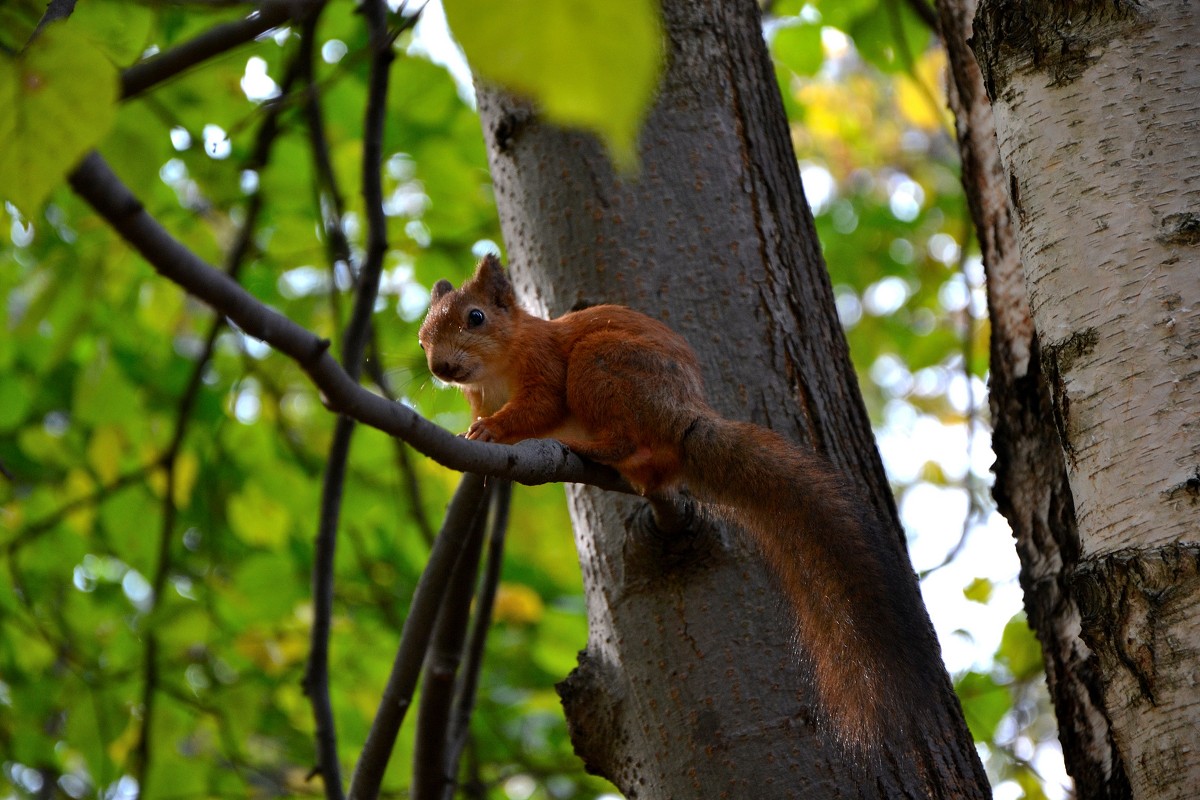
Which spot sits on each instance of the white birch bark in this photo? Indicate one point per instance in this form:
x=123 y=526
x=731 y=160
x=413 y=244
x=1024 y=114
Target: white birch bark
x=1031 y=488
x=1097 y=111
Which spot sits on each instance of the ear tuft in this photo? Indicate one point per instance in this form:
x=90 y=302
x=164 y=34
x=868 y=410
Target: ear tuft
x=493 y=281
x=441 y=288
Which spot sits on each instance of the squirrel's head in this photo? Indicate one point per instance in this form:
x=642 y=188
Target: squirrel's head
x=466 y=329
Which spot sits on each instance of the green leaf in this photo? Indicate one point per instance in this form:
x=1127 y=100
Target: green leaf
x=587 y=63
x=798 y=47
x=984 y=704
x=257 y=518
x=891 y=39
x=103 y=394
x=1019 y=650
x=15 y=399
x=120 y=29
x=59 y=99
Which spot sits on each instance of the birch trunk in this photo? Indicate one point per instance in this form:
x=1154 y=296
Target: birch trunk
x=1097 y=111
x=690 y=686
x=1031 y=487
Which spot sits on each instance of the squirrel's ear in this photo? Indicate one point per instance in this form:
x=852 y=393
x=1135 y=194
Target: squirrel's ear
x=494 y=281
x=441 y=288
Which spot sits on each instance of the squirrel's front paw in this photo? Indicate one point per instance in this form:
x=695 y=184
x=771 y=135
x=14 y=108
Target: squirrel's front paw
x=481 y=431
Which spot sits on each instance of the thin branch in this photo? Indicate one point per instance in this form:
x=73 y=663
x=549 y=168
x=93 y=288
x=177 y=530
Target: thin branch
x=238 y=254
x=316 y=675
x=355 y=342
x=430 y=779
x=414 y=639
x=226 y=36
x=328 y=195
x=55 y=10
x=927 y=14
x=534 y=461
x=408 y=476
x=316 y=681
x=464 y=701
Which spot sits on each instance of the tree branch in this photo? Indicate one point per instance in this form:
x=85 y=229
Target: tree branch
x=238 y=253
x=464 y=701
x=926 y=12
x=408 y=478
x=55 y=10
x=414 y=639
x=434 y=722
x=534 y=461
x=354 y=343
x=226 y=36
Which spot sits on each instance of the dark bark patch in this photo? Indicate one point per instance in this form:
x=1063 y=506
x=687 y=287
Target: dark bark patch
x=592 y=704
x=1181 y=229
x=1188 y=490
x=1060 y=39
x=1057 y=361
x=509 y=129
x=1129 y=603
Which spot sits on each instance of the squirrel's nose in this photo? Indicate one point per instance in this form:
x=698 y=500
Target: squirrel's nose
x=444 y=370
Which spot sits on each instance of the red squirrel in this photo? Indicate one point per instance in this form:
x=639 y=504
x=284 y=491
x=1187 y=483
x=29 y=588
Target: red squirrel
x=623 y=389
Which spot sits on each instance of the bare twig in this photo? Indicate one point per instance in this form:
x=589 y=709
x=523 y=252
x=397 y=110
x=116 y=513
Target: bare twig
x=327 y=193
x=55 y=10
x=408 y=477
x=217 y=40
x=354 y=342
x=926 y=12
x=187 y=402
x=316 y=675
x=430 y=777
x=464 y=700
x=236 y=258
x=414 y=640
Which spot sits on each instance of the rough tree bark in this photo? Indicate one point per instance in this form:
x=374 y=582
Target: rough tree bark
x=690 y=684
x=1031 y=487
x=1097 y=107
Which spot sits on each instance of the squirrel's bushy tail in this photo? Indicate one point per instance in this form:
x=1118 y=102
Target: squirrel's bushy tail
x=873 y=654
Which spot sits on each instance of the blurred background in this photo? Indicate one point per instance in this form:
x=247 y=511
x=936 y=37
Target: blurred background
x=101 y=369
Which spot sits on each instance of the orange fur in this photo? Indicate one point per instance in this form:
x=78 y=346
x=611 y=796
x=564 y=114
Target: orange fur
x=625 y=390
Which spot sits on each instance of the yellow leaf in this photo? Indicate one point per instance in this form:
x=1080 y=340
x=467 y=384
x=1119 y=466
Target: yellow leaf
x=104 y=452
x=119 y=748
x=517 y=604
x=187 y=466
x=920 y=99
x=978 y=590
x=80 y=485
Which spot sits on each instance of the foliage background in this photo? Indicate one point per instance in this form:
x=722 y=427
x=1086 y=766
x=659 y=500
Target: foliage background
x=97 y=352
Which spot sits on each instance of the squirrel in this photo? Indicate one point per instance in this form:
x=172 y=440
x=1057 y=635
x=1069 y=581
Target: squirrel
x=623 y=389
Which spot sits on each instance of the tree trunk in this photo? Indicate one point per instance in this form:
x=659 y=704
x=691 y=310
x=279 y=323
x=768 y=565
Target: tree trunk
x=690 y=685
x=1097 y=106
x=1031 y=487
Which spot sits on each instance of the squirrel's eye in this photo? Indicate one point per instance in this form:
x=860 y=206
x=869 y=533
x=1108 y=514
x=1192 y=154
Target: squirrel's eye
x=474 y=318
x=421 y=343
